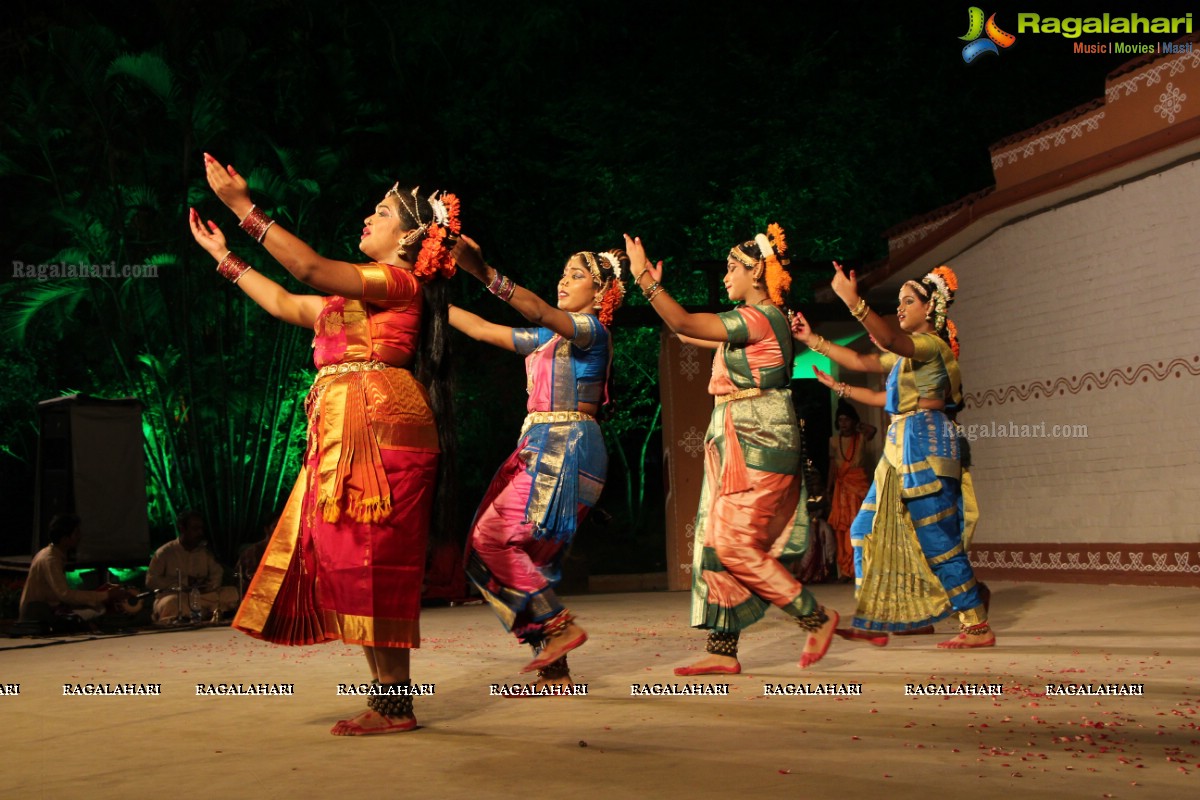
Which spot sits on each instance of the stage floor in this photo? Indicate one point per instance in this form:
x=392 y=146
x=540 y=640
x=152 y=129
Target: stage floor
x=610 y=744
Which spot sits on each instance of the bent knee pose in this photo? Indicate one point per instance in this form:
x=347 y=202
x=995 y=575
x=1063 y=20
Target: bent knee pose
x=911 y=536
x=752 y=505
x=542 y=491
x=347 y=558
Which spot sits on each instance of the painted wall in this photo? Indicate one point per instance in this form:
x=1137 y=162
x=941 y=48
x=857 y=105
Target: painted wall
x=1080 y=329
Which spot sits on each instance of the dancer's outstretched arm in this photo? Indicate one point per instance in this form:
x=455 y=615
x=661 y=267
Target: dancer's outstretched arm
x=702 y=329
x=326 y=275
x=469 y=257
x=842 y=356
x=859 y=394
x=298 y=309
x=481 y=330
x=894 y=341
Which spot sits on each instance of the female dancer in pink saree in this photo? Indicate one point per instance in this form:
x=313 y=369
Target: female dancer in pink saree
x=347 y=557
x=542 y=491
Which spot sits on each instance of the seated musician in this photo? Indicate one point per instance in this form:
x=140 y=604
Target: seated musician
x=183 y=565
x=46 y=593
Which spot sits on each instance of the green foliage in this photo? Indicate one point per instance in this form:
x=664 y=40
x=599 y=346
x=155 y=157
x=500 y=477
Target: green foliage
x=561 y=124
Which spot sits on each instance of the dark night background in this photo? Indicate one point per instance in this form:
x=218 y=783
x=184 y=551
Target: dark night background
x=560 y=124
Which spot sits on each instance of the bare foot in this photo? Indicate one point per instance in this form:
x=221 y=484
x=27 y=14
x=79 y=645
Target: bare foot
x=711 y=664
x=817 y=644
x=570 y=637
x=370 y=722
x=966 y=640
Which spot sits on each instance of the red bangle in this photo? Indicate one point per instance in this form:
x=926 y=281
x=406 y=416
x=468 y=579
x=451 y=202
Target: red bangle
x=233 y=268
x=256 y=223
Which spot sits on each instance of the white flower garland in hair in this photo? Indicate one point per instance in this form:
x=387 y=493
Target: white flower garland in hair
x=940 y=283
x=440 y=215
x=764 y=246
x=614 y=262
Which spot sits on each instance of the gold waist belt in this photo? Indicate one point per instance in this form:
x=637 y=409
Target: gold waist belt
x=551 y=417
x=739 y=395
x=352 y=366
x=543 y=417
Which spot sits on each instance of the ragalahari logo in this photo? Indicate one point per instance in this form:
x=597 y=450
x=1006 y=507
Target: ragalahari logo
x=976 y=28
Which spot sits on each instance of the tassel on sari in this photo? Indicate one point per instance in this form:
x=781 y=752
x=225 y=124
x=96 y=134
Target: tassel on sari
x=735 y=477
x=358 y=462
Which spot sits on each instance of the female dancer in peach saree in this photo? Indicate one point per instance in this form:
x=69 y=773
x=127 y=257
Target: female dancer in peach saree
x=542 y=491
x=347 y=557
x=752 y=507
x=911 y=536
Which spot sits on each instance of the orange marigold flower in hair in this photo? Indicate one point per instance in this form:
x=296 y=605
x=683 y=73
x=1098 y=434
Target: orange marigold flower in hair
x=435 y=257
x=952 y=335
x=948 y=276
x=778 y=239
x=613 y=297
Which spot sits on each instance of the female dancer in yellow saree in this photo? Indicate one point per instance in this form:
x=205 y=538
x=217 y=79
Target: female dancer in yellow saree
x=347 y=558
x=752 y=507
x=911 y=536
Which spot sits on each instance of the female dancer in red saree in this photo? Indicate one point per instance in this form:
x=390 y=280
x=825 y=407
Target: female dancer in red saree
x=752 y=506
x=542 y=491
x=347 y=558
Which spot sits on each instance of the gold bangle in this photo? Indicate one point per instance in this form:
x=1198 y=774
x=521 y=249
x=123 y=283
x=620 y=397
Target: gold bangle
x=822 y=345
x=861 y=310
x=655 y=292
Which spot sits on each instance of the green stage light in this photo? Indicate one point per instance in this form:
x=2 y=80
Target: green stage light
x=803 y=363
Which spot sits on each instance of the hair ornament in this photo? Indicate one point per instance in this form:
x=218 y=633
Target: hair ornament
x=764 y=246
x=441 y=233
x=952 y=336
x=610 y=291
x=938 y=288
x=778 y=279
x=743 y=257
x=614 y=262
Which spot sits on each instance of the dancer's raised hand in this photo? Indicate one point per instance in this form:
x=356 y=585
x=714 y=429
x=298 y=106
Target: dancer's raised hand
x=228 y=185
x=801 y=330
x=844 y=286
x=207 y=236
x=639 y=262
x=469 y=257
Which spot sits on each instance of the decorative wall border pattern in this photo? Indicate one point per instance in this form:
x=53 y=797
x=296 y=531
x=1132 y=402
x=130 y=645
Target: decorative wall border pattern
x=917 y=234
x=1085 y=382
x=1047 y=141
x=1151 y=563
x=1153 y=76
